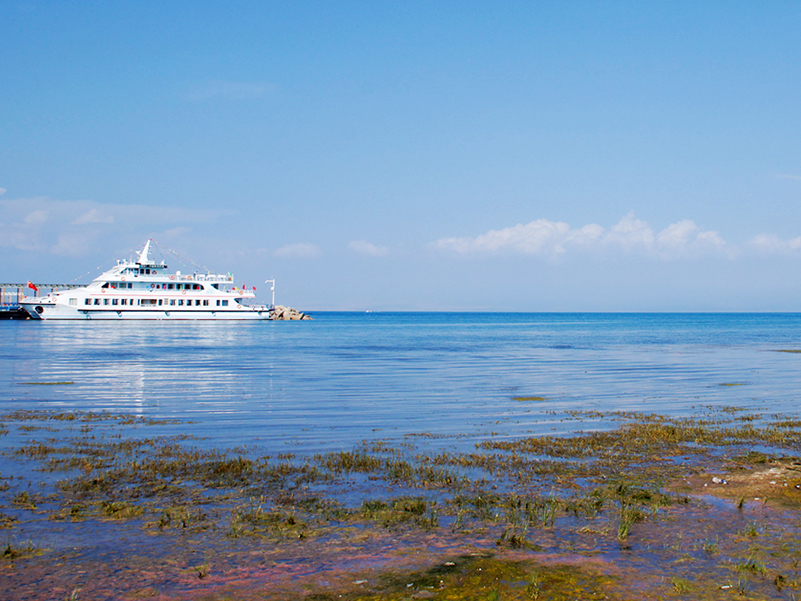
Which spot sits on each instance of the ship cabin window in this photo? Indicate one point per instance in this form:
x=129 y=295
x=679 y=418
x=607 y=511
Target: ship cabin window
x=215 y=286
x=114 y=301
x=159 y=302
x=87 y=301
x=225 y=303
x=196 y=287
x=205 y=302
x=73 y=301
x=170 y=286
x=180 y=302
x=97 y=301
x=197 y=302
x=124 y=301
x=105 y=301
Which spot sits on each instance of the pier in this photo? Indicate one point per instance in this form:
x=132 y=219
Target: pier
x=12 y=294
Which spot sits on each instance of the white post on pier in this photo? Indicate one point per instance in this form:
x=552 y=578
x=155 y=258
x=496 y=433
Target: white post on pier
x=272 y=289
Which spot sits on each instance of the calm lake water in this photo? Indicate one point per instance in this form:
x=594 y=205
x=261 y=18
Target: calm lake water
x=328 y=384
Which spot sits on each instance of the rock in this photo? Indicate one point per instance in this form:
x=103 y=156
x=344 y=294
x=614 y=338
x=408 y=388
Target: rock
x=283 y=313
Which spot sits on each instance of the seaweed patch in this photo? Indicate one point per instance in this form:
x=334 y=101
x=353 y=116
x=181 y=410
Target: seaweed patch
x=656 y=506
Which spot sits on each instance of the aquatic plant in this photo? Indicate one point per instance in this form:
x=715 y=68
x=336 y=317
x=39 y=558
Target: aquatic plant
x=568 y=494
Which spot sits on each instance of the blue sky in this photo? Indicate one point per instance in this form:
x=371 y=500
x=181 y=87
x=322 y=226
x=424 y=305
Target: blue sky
x=523 y=156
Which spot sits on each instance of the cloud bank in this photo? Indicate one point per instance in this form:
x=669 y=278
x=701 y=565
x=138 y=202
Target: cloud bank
x=73 y=227
x=363 y=247
x=772 y=244
x=302 y=250
x=630 y=235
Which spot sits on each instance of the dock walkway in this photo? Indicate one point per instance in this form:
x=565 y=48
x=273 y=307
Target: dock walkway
x=12 y=293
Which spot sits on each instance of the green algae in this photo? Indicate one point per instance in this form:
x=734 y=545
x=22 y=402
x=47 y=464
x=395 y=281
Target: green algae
x=13 y=552
x=585 y=495
x=483 y=577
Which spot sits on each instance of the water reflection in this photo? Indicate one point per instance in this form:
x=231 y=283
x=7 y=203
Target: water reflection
x=343 y=378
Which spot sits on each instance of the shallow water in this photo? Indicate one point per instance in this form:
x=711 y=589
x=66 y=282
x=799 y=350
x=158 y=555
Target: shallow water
x=345 y=377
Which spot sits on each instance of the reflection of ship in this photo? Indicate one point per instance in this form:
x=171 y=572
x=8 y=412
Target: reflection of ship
x=145 y=289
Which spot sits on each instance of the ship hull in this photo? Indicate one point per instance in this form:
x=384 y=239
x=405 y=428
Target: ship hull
x=46 y=311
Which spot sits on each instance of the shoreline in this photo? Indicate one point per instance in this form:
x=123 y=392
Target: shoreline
x=667 y=507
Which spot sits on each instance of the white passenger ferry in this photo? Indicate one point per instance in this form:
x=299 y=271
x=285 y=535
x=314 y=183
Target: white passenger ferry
x=145 y=289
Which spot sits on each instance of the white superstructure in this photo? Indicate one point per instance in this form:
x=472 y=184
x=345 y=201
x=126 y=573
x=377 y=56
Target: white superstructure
x=145 y=289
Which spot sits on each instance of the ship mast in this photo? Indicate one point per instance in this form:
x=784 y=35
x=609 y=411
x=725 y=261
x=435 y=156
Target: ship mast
x=143 y=258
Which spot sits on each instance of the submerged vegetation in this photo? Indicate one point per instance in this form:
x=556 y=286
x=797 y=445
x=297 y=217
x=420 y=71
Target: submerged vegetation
x=623 y=513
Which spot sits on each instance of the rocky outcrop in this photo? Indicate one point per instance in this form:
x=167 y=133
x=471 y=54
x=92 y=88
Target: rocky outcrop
x=288 y=313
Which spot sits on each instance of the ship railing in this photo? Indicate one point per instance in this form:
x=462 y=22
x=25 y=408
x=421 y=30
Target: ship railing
x=211 y=277
x=14 y=292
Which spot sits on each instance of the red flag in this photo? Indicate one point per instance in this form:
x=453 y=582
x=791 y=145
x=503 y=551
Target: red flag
x=254 y=287
x=32 y=286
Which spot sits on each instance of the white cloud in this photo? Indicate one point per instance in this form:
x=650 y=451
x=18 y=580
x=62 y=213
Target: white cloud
x=685 y=238
x=677 y=235
x=299 y=250
x=586 y=236
x=366 y=248
x=2 y=191
x=787 y=176
x=174 y=233
x=72 y=227
x=533 y=238
x=632 y=235
x=72 y=244
x=770 y=243
x=630 y=232
x=93 y=216
x=36 y=218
